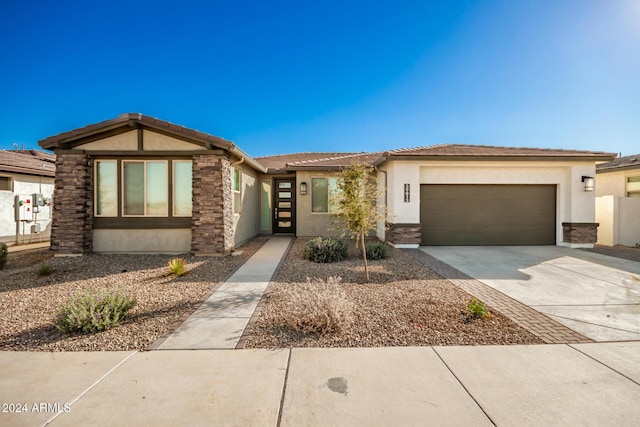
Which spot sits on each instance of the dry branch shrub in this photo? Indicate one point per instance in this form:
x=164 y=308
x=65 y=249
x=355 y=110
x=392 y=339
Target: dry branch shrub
x=317 y=306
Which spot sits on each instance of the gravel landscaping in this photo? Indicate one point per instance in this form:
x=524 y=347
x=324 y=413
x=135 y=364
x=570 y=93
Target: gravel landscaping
x=405 y=304
x=30 y=302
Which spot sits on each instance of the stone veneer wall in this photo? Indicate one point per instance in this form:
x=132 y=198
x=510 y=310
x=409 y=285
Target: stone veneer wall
x=212 y=219
x=404 y=234
x=580 y=232
x=72 y=215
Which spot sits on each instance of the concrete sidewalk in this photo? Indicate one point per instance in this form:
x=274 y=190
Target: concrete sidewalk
x=578 y=384
x=220 y=321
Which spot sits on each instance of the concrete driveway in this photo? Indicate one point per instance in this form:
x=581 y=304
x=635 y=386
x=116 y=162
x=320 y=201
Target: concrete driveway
x=593 y=294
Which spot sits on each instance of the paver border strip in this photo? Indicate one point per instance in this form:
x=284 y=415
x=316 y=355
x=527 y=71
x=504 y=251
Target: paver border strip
x=175 y=325
x=540 y=325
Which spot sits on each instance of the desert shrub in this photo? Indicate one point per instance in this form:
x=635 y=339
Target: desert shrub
x=93 y=310
x=317 y=307
x=324 y=250
x=478 y=309
x=45 y=270
x=4 y=252
x=176 y=266
x=377 y=250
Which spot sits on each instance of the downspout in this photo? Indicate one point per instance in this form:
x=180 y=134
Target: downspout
x=237 y=162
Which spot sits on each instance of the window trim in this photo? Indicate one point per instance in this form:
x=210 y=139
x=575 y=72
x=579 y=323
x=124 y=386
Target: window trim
x=329 y=211
x=173 y=188
x=636 y=193
x=9 y=181
x=237 y=207
x=95 y=189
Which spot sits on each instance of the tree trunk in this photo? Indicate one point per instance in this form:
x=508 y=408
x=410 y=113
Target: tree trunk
x=364 y=255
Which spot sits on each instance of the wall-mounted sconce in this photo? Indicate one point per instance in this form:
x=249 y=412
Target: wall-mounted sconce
x=303 y=188
x=589 y=183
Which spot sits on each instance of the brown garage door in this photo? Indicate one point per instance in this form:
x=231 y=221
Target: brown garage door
x=477 y=215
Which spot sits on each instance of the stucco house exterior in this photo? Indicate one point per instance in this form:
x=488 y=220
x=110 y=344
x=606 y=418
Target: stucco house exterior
x=618 y=201
x=23 y=173
x=139 y=184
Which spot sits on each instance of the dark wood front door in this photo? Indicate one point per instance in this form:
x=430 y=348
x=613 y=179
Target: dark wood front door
x=284 y=206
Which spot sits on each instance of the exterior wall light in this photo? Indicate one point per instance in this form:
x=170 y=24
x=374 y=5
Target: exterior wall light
x=588 y=183
x=303 y=188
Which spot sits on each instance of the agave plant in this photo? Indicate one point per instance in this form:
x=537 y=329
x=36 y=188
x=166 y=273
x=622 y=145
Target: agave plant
x=176 y=266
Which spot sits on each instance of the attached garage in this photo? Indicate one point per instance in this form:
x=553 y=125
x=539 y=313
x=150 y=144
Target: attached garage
x=476 y=215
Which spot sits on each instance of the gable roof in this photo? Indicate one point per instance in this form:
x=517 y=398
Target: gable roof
x=30 y=162
x=621 y=163
x=130 y=121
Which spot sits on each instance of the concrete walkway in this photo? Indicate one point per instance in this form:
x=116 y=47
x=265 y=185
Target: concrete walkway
x=595 y=295
x=543 y=385
x=220 y=321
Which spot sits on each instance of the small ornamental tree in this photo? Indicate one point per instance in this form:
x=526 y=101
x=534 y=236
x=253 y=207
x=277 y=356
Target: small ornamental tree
x=356 y=199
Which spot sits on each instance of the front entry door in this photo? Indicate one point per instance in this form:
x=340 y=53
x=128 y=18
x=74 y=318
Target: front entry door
x=284 y=211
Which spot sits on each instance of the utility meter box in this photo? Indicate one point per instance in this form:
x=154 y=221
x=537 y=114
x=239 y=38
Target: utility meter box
x=38 y=200
x=24 y=207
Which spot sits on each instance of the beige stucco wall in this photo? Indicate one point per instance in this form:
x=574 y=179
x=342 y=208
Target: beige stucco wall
x=127 y=141
x=246 y=223
x=153 y=141
x=619 y=220
x=177 y=240
x=309 y=224
x=573 y=203
x=614 y=183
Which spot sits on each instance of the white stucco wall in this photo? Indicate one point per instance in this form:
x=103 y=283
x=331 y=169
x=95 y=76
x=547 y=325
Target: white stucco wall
x=24 y=184
x=619 y=219
x=573 y=204
x=614 y=183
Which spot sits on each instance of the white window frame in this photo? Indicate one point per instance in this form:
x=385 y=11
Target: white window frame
x=144 y=188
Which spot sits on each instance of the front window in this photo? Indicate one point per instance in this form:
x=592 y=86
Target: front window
x=633 y=186
x=237 y=190
x=5 y=183
x=143 y=188
x=324 y=193
x=145 y=191
x=106 y=188
x=182 y=188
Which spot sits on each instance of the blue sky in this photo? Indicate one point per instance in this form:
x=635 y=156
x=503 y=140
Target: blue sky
x=281 y=77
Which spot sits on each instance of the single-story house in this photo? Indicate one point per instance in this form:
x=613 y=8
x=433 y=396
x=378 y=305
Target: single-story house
x=139 y=184
x=618 y=201
x=24 y=173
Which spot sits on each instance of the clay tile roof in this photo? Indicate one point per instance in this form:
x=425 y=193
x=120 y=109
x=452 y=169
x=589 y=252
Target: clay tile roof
x=130 y=119
x=285 y=161
x=30 y=162
x=626 y=162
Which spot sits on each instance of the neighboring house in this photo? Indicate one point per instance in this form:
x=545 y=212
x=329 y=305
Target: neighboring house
x=618 y=201
x=139 y=184
x=23 y=173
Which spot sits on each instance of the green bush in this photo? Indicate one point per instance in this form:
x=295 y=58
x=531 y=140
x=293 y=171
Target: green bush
x=93 y=310
x=377 y=250
x=45 y=270
x=324 y=250
x=478 y=309
x=4 y=252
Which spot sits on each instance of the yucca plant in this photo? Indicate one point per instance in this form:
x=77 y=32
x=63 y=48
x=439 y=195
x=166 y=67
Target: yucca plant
x=176 y=266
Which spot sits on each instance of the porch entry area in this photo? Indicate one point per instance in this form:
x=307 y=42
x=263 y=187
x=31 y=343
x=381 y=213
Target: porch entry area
x=284 y=206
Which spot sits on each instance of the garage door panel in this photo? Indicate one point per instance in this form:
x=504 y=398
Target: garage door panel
x=488 y=214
